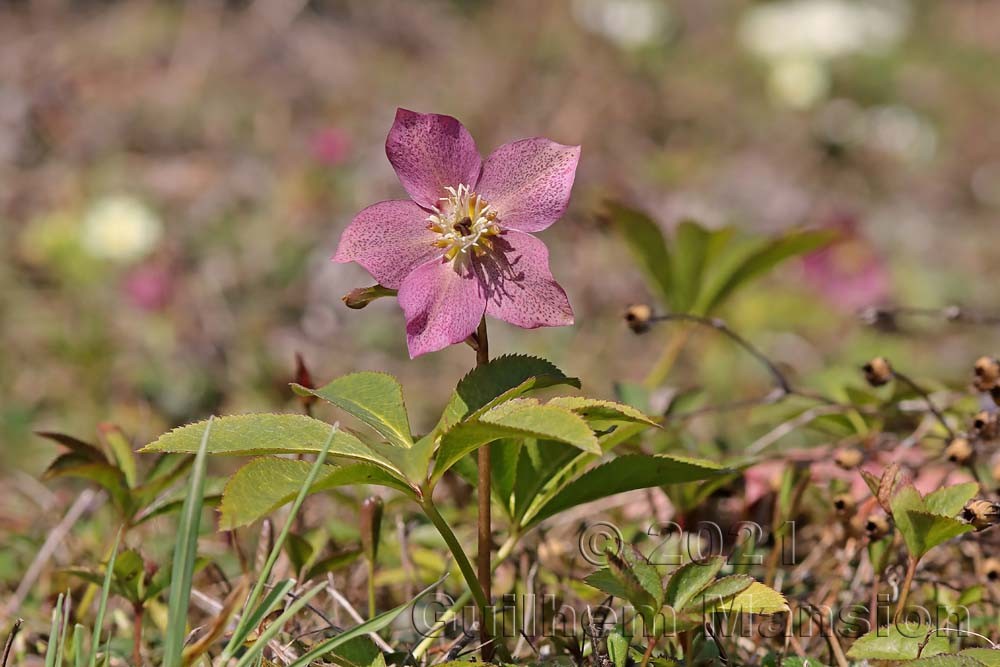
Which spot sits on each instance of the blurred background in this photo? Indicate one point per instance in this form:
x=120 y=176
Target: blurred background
x=174 y=178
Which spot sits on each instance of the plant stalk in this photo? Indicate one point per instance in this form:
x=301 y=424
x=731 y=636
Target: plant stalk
x=911 y=570
x=464 y=565
x=485 y=469
x=503 y=553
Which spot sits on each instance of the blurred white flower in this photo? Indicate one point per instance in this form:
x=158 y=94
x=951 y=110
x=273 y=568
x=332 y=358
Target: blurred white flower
x=627 y=23
x=799 y=82
x=902 y=133
x=120 y=228
x=823 y=29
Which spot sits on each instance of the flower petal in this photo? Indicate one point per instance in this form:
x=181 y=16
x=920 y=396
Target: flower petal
x=431 y=152
x=389 y=239
x=442 y=304
x=528 y=182
x=520 y=288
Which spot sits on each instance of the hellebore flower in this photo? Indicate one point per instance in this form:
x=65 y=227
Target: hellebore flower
x=462 y=246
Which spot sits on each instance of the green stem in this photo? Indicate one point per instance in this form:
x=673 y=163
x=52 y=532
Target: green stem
x=503 y=553
x=371 y=588
x=662 y=367
x=464 y=564
x=911 y=569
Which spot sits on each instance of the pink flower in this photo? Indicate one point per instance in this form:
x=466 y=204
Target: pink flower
x=848 y=272
x=331 y=146
x=462 y=245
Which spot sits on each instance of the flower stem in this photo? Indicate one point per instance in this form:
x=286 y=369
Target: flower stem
x=483 y=556
x=503 y=553
x=464 y=565
x=911 y=569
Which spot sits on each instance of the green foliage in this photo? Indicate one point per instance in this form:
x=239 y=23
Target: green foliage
x=899 y=641
x=265 y=484
x=503 y=378
x=700 y=269
x=626 y=473
x=923 y=530
x=374 y=398
x=691 y=594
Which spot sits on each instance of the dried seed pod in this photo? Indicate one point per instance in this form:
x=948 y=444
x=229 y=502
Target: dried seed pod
x=848 y=458
x=959 y=450
x=991 y=569
x=877 y=526
x=987 y=373
x=995 y=394
x=844 y=504
x=985 y=425
x=637 y=317
x=877 y=371
x=981 y=513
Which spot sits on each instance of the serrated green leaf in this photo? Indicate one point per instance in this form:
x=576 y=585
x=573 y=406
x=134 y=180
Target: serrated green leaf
x=754 y=599
x=645 y=240
x=722 y=588
x=593 y=409
x=516 y=418
x=265 y=484
x=642 y=592
x=617 y=649
x=627 y=473
x=503 y=378
x=689 y=579
x=267 y=433
x=899 y=641
x=946 y=660
x=987 y=656
x=921 y=530
x=605 y=580
x=106 y=475
x=950 y=500
x=374 y=398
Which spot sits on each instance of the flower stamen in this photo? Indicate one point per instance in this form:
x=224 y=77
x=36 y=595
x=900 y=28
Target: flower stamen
x=465 y=222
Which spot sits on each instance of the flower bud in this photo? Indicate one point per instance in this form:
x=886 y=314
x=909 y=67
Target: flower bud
x=981 y=513
x=360 y=297
x=991 y=569
x=304 y=378
x=848 y=458
x=877 y=371
x=637 y=317
x=371 y=526
x=959 y=451
x=877 y=526
x=844 y=504
x=985 y=425
x=987 y=373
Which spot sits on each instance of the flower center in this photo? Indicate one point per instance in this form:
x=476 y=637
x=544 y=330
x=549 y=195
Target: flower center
x=465 y=222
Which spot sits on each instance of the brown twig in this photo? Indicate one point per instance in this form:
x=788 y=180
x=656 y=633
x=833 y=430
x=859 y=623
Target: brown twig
x=10 y=641
x=905 y=379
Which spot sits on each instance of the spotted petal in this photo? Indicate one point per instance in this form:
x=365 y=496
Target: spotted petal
x=443 y=305
x=520 y=288
x=431 y=152
x=389 y=239
x=528 y=182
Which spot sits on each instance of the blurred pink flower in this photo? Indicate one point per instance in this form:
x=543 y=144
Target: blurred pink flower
x=149 y=287
x=462 y=245
x=848 y=272
x=331 y=146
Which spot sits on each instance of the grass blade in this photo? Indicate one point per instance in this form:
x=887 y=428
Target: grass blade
x=255 y=651
x=53 y=646
x=185 y=553
x=79 y=658
x=244 y=626
x=371 y=625
x=95 y=642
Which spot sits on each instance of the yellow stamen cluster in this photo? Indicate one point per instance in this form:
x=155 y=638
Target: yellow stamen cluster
x=465 y=221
